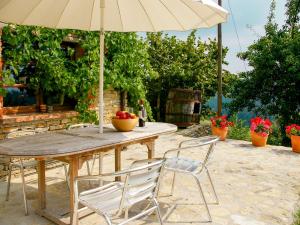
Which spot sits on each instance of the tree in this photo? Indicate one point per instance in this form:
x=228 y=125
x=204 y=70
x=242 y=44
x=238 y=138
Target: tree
x=37 y=53
x=272 y=87
x=182 y=64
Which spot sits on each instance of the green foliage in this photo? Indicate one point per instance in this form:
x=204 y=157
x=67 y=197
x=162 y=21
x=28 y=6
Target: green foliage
x=37 y=53
x=296 y=218
x=182 y=64
x=272 y=86
x=276 y=135
x=239 y=131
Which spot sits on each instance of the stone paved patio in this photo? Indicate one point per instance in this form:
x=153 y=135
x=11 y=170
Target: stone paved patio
x=256 y=186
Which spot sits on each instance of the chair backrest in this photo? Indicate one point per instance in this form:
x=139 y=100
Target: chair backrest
x=142 y=181
x=212 y=145
x=80 y=125
x=209 y=141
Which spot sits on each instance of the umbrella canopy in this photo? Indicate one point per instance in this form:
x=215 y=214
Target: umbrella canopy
x=113 y=15
x=119 y=15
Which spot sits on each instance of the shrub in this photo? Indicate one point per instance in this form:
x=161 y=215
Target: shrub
x=240 y=131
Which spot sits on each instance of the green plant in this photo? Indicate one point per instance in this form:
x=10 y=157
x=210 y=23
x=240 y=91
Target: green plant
x=296 y=218
x=37 y=53
x=272 y=86
x=276 y=136
x=240 y=131
x=187 y=64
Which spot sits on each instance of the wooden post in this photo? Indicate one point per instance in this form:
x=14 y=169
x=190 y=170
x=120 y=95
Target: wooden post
x=219 y=66
x=118 y=151
x=151 y=150
x=42 y=184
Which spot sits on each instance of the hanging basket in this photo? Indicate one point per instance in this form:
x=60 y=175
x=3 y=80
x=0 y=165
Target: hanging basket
x=258 y=140
x=220 y=132
x=295 y=143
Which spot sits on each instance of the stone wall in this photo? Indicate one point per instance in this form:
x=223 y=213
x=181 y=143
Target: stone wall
x=43 y=122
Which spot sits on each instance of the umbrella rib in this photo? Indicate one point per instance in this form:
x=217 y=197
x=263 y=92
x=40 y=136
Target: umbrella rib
x=120 y=15
x=195 y=13
x=92 y=15
x=62 y=13
x=172 y=14
x=147 y=15
x=31 y=11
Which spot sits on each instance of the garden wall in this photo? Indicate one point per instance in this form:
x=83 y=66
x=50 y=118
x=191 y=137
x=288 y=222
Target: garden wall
x=42 y=122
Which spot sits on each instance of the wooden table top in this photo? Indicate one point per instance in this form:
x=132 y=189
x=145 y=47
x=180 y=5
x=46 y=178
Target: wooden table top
x=77 y=141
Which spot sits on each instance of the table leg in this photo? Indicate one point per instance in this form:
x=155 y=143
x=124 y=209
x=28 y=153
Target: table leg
x=118 y=151
x=41 y=184
x=74 y=164
x=151 y=149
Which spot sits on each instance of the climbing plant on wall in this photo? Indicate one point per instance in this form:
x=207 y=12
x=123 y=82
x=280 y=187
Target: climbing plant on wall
x=37 y=53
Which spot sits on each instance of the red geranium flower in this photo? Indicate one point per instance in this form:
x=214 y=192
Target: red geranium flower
x=221 y=122
x=261 y=126
x=293 y=129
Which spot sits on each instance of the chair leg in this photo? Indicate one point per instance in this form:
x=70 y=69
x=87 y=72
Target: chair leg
x=93 y=163
x=203 y=198
x=126 y=213
x=88 y=171
x=88 y=168
x=24 y=189
x=158 y=212
x=173 y=183
x=8 y=182
x=107 y=219
x=212 y=185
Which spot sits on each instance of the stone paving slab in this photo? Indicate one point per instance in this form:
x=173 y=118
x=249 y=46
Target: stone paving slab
x=255 y=186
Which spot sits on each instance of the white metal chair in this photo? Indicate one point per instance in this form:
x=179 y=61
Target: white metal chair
x=99 y=155
x=188 y=166
x=21 y=165
x=141 y=184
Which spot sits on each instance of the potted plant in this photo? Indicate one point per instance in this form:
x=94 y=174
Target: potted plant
x=260 y=130
x=219 y=126
x=293 y=131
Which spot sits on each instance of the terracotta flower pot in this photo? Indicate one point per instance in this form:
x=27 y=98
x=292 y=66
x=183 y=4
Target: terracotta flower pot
x=258 y=140
x=295 y=143
x=221 y=132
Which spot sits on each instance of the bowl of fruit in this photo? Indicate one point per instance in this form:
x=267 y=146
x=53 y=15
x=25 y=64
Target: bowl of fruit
x=124 y=121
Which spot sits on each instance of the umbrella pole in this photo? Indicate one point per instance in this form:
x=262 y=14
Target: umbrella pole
x=101 y=80
x=101 y=104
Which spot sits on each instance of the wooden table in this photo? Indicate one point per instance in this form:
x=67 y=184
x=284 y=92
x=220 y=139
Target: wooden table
x=76 y=146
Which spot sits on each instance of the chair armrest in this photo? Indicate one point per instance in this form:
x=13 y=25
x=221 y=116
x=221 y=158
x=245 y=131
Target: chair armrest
x=199 y=141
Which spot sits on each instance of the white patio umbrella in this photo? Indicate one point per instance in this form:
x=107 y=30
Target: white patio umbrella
x=113 y=15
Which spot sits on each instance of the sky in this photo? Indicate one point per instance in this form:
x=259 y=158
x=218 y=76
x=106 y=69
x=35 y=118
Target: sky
x=250 y=17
